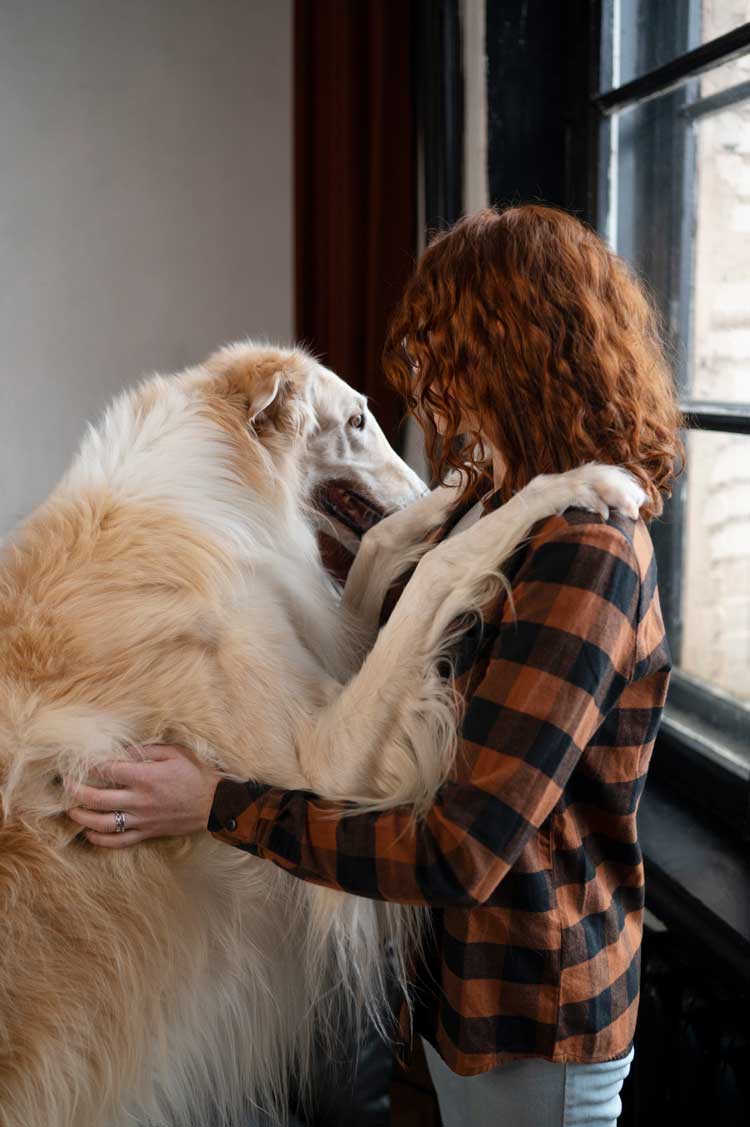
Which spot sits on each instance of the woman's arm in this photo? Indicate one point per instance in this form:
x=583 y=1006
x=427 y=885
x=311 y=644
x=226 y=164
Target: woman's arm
x=555 y=672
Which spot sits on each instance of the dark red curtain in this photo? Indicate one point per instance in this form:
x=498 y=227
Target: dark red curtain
x=355 y=183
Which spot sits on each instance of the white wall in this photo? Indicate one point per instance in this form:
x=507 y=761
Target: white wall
x=145 y=205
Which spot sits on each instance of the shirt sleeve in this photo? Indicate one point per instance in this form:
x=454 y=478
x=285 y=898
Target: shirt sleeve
x=564 y=650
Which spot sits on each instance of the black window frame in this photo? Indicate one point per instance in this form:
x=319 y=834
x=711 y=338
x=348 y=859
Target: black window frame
x=704 y=745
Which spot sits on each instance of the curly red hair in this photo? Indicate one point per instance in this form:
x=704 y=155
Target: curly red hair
x=524 y=322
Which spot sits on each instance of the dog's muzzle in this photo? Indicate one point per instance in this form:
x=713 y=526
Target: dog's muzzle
x=349 y=507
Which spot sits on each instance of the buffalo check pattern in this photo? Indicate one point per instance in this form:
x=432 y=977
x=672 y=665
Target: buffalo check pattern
x=529 y=857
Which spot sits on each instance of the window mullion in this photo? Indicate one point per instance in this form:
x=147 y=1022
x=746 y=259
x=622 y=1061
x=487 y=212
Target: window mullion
x=676 y=72
x=724 y=417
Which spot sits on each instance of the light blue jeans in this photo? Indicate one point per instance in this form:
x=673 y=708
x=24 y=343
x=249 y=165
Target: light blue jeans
x=530 y=1093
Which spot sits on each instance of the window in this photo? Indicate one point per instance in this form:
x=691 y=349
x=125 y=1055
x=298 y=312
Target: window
x=673 y=104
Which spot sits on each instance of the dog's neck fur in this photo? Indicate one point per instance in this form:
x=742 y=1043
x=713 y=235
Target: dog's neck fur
x=167 y=449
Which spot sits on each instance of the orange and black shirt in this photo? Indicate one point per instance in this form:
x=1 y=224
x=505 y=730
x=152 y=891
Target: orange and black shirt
x=529 y=855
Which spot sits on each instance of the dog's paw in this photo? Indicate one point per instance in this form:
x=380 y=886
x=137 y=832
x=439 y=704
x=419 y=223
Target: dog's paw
x=597 y=488
x=613 y=488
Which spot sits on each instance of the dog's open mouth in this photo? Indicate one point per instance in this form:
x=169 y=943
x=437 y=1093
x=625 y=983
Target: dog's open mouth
x=342 y=502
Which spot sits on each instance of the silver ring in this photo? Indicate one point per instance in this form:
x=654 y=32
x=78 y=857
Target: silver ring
x=119 y=822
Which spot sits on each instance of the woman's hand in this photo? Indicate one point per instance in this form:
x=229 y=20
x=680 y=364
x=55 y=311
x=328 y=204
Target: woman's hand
x=167 y=793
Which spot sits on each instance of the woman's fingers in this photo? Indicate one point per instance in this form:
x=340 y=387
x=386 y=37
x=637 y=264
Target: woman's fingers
x=102 y=823
x=167 y=793
x=129 y=773
x=161 y=751
x=123 y=772
x=103 y=798
x=116 y=841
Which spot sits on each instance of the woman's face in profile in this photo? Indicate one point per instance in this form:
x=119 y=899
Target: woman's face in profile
x=468 y=424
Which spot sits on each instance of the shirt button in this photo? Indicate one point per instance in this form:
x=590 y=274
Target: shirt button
x=231 y=824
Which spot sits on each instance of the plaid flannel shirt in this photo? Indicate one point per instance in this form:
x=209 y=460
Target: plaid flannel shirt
x=529 y=856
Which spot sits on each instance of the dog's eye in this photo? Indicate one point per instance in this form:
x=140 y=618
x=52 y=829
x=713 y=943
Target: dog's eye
x=357 y=421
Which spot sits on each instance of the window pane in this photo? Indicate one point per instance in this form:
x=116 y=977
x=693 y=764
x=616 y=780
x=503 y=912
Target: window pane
x=640 y=35
x=716 y=563
x=679 y=211
x=651 y=190
x=720 y=365
x=720 y=16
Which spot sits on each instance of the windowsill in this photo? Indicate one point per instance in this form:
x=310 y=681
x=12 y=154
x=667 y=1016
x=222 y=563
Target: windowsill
x=703 y=738
x=713 y=723
x=697 y=879
x=713 y=785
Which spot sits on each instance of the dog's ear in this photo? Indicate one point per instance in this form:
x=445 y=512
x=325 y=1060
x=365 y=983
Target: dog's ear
x=263 y=395
x=262 y=382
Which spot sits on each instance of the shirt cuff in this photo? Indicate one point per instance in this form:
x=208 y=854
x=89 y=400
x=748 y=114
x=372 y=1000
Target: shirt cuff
x=234 y=814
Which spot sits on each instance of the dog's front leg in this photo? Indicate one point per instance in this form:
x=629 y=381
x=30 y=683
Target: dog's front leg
x=461 y=573
x=386 y=736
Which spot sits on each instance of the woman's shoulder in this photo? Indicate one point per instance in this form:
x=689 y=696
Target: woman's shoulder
x=582 y=577
x=617 y=536
x=577 y=554
x=612 y=559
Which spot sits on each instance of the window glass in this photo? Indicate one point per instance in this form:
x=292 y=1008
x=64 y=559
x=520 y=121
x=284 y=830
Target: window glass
x=680 y=213
x=720 y=366
x=651 y=183
x=642 y=35
x=716 y=563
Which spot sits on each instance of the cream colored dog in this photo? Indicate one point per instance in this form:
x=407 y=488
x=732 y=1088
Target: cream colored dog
x=170 y=590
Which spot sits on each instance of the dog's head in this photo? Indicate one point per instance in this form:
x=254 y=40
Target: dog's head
x=296 y=408
x=352 y=471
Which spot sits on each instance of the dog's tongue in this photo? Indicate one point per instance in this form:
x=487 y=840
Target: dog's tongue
x=339 y=500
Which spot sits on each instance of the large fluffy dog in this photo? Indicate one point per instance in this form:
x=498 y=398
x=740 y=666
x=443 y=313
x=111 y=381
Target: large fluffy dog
x=170 y=589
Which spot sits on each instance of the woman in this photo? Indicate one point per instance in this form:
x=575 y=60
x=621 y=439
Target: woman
x=523 y=346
